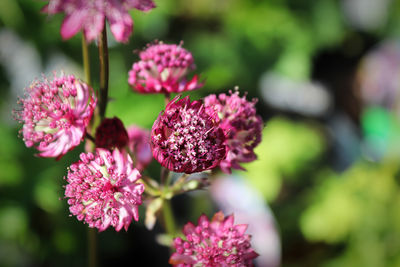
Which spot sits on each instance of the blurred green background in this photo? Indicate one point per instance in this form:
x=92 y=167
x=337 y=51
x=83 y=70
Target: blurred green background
x=327 y=75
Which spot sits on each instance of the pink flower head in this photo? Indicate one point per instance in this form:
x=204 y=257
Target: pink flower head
x=139 y=145
x=187 y=139
x=102 y=189
x=213 y=243
x=111 y=133
x=89 y=16
x=55 y=114
x=162 y=69
x=241 y=125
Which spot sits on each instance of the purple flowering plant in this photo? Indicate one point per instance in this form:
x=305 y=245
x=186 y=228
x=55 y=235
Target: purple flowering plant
x=106 y=185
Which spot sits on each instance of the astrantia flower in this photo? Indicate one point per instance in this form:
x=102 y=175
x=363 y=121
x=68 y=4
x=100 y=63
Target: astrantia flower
x=89 y=16
x=187 y=139
x=162 y=69
x=55 y=114
x=111 y=134
x=139 y=145
x=241 y=125
x=102 y=189
x=213 y=243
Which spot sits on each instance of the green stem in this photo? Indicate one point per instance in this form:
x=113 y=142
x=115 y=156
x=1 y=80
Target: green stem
x=103 y=59
x=92 y=240
x=150 y=188
x=164 y=176
x=86 y=60
x=90 y=137
x=169 y=220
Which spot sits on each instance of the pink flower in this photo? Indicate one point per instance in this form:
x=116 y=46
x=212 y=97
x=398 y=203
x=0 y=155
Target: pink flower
x=111 y=134
x=241 y=125
x=139 y=145
x=187 y=139
x=213 y=243
x=102 y=189
x=89 y=16
x=162 y=69
x=55 y=114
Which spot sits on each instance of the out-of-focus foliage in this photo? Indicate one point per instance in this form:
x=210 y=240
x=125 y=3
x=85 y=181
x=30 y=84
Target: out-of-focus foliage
x=357 y=208
x=327 y=215
x=8 y=152
x=381 y=130
x=287 y=149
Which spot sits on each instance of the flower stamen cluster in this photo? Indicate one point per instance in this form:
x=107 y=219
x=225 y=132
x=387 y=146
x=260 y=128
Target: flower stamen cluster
x=241 y=125
x=213 y=243
x=162 y=69
x=102 y=189
x=55 y=114
x=187 y=139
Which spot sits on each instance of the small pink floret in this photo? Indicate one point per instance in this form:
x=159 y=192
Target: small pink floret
x=89 y=16
x=187 y=139
x=241 y=125
x=213 y=243
x=55 y=114
x=162 y=69
x=103 y=191
x=139 y=145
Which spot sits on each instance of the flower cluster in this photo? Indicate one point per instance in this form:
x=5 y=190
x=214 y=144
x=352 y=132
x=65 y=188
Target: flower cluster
x=187 y=139
x=55 y=114
x=213 y=243
x=162 y=69
x=241 y=124
x=90 y=15
x=181 y=137
x=102 y=189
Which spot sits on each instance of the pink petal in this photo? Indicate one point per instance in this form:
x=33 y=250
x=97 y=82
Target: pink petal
x=119 y=161
x=193 y=84
x=121 y=23
x=73 y=23
x=228 y=223
x=179 y=259
x=93 y=26
x=122 y=29
x=188 y=228
x=202 y=221
x=241 y=228
x=143 y=5
x=218 y=217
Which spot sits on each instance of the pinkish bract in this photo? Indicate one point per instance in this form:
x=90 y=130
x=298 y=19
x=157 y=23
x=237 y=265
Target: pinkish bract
x=55 y=114
x=241 y=125
x=162 y=69
x=213 y=243
x=90 y=15
x=187 y=139
x=139 y=145
x=102 y=189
